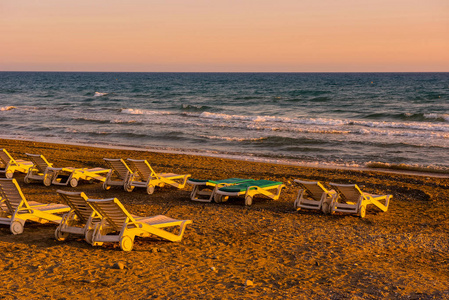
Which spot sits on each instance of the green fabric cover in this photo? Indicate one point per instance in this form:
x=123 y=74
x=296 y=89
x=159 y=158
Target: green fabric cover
x=228 y=181
x=244 y=186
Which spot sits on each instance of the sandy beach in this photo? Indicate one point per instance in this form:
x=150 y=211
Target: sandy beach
x=287 y=254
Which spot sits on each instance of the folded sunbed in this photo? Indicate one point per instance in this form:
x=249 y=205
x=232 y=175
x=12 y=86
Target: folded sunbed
x=119 y=175
x=18 y=210
x=250 y=189
x=126 y=226
x=144 y=176
x=81 y=218
x=313 y=195
x=349 y=198
x=9 y=165
x=204 y=190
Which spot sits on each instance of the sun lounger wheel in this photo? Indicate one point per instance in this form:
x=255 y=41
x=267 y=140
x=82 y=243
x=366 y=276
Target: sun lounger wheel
x=106 y=186
x=16 y=227
x=73 y=182
x=61 y=236
x=326 y=208
x=9 y=174
x=296 y=205
x=47 y=180
x=150 y=190
x=220 y=198
x=126 y=243
x=248 y=200
x=362 y=211
x=128 y=187
x=89 y=236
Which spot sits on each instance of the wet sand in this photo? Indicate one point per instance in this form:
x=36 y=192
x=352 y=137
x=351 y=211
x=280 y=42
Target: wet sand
x=287 y=254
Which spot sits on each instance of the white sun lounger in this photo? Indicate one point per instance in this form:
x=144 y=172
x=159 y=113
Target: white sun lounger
x=350 y=199
x=18 y=210
x=313 y=195
x=9 y=165
x=114 y=215
x=144 y=176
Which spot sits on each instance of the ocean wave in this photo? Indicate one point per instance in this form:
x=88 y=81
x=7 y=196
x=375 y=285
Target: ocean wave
x=135 y=111
x=194 y=107
x=438 y=117
x=6 y=108
x=233 y=139
x=98 y=94
x=407 y=167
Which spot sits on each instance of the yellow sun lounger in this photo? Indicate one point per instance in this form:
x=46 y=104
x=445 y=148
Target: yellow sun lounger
x=204 y=190
x=114 y=215
x=313 y=195
x=9 y=165
x=349 y=198
x=19 y=210
x=250 y=189
x=45 y=172
x=39 y=170
x=81 y=218
x=144 y=176
x=66 y=176
x=119 y=174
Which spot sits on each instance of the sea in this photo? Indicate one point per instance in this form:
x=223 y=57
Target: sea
x=349 y=120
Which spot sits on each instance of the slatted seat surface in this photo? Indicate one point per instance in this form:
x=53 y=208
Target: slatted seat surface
x=347 y=192
x=312 y=189
x=157 y=220
x=11 y=193
x=78 y=203
x=119 y=167
x=111 y=210
x=40 y=162
x=142 y=168
x=5 y=157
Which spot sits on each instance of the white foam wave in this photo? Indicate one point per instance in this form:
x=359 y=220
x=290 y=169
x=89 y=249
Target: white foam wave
x=98 y=94
x=437 y=116
x=134 y=111
x=5 y=108
x=233 y=139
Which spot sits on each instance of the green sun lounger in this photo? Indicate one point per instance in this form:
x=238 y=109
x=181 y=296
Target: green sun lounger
x=250 y=189
x=204 y=190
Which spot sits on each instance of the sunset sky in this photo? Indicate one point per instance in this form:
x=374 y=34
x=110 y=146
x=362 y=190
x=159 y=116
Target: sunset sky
x=222 y=36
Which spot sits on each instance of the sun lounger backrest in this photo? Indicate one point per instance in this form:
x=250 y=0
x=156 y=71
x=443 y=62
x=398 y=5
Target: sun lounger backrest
x=143 y=168
x=112 y=210
x=12 y=194
x=6 y=158
x=313 y=189
x=119 y=167
x=40 y=162
x=78 y=203
x=347 y=192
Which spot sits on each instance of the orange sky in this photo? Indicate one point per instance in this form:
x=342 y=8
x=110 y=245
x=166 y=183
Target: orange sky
x=219 y=35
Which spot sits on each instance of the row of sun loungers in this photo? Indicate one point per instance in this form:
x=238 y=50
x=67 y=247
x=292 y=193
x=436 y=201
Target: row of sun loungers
x=139 y=173
x=98 y=220
x=346 y=198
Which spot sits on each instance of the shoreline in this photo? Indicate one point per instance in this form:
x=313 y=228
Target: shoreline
x=393 y=170
x=287 y=254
